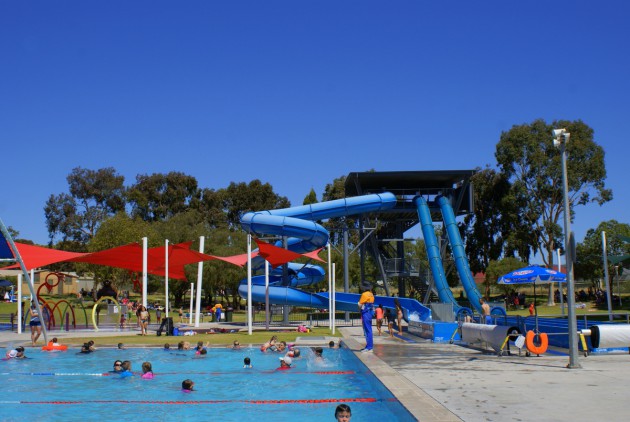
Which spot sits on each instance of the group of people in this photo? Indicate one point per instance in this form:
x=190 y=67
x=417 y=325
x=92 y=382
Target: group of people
x=123 y=369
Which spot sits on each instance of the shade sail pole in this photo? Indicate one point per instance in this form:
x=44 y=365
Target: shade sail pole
x=202 y=240
x=330 y=310
x=29 y=280
x=608 y=290
x=192 y=295
x=334 y=308
x=266 y=295
x=19 y=304
x=166 y=277
x=144 y=270
x=249 y=284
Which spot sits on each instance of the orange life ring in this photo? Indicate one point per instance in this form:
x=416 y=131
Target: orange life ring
x=50 y=347
x=529 y=342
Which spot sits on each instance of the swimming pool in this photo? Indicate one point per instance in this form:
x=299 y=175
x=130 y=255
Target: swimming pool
x=71 y=386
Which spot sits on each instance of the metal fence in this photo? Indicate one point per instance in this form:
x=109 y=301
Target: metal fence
x=8 y=322
x=295 y=316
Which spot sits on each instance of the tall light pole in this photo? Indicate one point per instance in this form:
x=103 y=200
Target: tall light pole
x=560 y=139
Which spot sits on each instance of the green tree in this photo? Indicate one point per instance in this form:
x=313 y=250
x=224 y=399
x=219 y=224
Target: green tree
x=589 y=253
x=209 y=203
x=498 y=268
x=160 y=196
x=94 y=196
x=495 y=228
x=529 y=160
x=253 y=196
x=311 y=198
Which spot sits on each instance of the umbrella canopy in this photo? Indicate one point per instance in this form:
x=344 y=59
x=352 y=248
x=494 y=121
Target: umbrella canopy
x=533 y=275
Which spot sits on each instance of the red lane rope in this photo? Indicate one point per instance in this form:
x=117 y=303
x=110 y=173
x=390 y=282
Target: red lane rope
x=107 y=374
x=302 y=401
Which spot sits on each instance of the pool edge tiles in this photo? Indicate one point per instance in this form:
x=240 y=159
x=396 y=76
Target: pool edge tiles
x=418 y=403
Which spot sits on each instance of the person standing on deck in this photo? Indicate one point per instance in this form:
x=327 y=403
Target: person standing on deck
x=366 y=306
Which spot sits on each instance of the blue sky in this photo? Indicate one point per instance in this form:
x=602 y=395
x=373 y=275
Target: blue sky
x=298 y=93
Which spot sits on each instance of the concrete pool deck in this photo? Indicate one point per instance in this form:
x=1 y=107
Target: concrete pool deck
x=449 y=382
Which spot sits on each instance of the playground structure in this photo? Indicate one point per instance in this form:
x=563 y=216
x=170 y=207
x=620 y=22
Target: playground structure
x=389 y=203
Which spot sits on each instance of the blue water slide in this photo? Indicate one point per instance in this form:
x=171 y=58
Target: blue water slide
x=433 y=253
x=305 y=235
x=343 y=301
x=459 y=253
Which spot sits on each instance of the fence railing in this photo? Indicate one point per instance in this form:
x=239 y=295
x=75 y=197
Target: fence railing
x=8 y=322
x=305 y=316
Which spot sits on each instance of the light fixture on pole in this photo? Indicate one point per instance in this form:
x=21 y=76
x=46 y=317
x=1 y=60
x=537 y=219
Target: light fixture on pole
x=560 y=140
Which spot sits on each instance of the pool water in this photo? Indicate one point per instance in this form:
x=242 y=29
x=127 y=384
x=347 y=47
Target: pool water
x=72 y=386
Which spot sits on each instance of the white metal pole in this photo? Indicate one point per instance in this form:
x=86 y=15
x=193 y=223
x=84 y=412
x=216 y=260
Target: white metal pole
x=334 y=307
x=166 y=277
x=330 y=315
x=560 y=285
x=192 y=294
x=266 y=295
x=144 y=270
x=606 y=277
x=19 y=303
x=202 y=240
x=249 y=284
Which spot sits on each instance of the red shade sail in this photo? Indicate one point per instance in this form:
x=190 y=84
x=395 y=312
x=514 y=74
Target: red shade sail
x=129 y=257
x=38 y=256
x=274 y=255
x=238 y=260
x=314 y=255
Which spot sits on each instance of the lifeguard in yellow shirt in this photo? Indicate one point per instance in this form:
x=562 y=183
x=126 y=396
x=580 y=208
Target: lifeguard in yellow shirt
x=366 y=306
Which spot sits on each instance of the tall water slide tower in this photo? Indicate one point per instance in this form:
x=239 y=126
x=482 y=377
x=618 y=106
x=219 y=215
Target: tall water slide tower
x=377 y=239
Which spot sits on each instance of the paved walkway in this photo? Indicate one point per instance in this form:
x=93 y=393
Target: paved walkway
x=446 y=382
x=449 y=382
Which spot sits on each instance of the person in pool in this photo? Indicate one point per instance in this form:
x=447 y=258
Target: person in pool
x=188 y=386
x=270 y=345
x=147 y=371
x=17 y=353
x=126 y=369
x=285 y=363
x=117 y=367
x=343 y=413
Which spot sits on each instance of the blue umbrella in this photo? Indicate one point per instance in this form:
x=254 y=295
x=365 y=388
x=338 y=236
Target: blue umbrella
x=533 y=275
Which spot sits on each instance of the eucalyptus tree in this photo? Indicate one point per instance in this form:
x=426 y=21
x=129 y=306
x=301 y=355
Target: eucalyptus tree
x=159 y=196
x=495 y=228
x=528 y=159
x=241 y=197
x=589 y=265
x=94 y=195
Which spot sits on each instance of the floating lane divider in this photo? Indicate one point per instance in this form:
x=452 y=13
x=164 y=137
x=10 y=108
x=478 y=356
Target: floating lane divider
x=305 y=401
x=58 y=374
x=114 y=374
